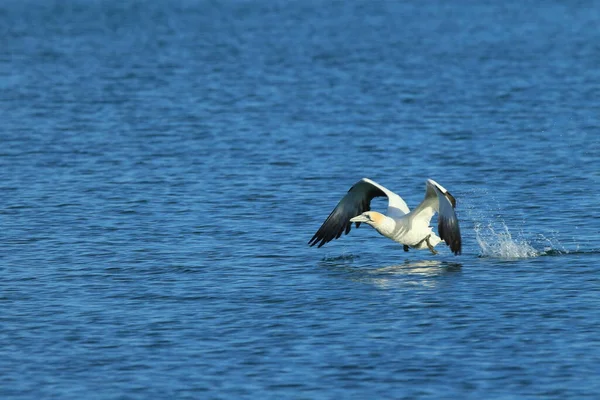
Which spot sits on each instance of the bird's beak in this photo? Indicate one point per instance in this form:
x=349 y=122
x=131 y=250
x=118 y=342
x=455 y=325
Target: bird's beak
x=359 y=218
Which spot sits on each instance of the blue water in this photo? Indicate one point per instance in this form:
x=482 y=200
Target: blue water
x=164 y=164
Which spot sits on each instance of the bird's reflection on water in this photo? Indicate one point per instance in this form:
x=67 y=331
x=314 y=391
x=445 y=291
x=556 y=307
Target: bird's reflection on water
x=411 y=272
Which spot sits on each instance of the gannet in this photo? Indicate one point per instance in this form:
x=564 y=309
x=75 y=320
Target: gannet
x=409 y=228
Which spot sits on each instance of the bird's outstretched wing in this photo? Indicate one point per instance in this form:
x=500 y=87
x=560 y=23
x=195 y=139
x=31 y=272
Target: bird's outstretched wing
x=355 y=202
x=438 y=199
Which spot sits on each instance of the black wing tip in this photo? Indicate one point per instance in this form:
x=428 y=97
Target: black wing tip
x=324 y=236
x=456 y=248
x=338 y=222
x=449 y=231
x=314 y=241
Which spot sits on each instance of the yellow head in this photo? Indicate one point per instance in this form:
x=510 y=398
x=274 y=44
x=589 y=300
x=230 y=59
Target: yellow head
x=372 y=218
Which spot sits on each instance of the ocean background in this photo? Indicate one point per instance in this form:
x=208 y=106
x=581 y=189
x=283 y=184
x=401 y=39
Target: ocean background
x=164 y=163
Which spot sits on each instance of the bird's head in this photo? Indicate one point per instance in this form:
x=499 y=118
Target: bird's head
x=372 y=218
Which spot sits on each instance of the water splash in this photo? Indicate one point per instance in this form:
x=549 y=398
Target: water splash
x=501 y=244
x=552 y=247
x=492 y=234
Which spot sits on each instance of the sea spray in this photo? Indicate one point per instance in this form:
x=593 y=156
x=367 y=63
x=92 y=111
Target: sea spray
x=501 y=244
x=491 y=232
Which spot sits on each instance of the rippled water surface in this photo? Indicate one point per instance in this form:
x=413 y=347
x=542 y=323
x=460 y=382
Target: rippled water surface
x=164 y=164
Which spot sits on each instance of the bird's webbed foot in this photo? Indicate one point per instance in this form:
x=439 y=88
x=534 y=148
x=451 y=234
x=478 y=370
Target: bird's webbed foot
x=405 y=248
x=429 y=246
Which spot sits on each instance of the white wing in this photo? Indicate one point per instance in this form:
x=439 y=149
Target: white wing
x=355 y=202
x=438 y=199
x=396 y=206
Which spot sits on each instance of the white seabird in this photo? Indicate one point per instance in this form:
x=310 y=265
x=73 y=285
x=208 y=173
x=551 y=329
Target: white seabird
x=409 y=228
